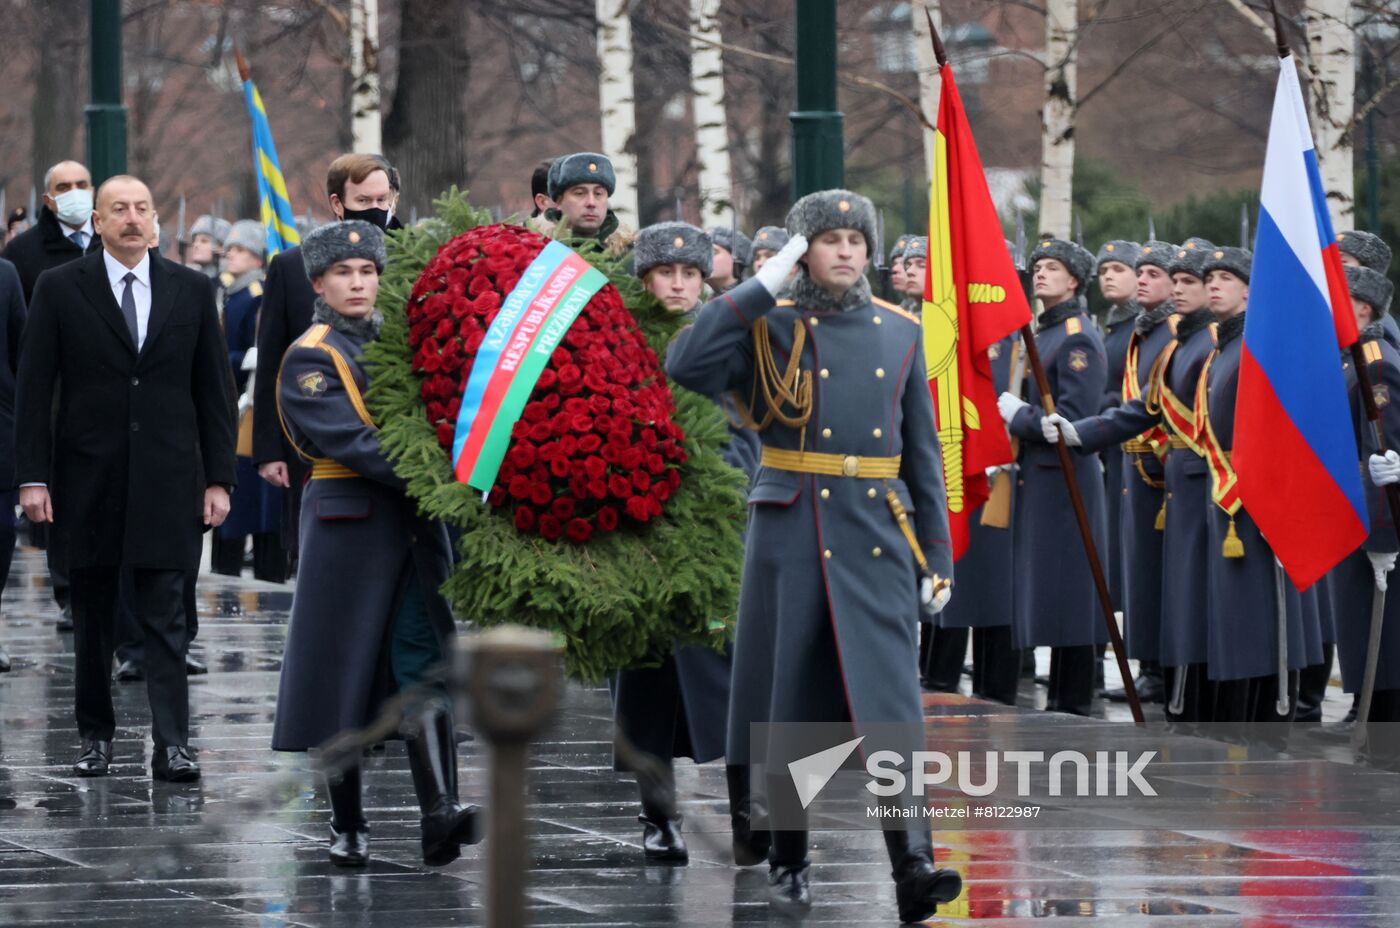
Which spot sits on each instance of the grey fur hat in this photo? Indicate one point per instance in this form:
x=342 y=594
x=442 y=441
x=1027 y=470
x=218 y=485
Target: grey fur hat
x=1370 y=249
x=673 y=243
x=248 y=234
x=342 y=241
x=1196 y=243
x=1156 y=253
x=1235 y=260
x=1120 y=250
x=897 y=251
x=1078 y=261
x=833 y=209
x=916 y=247
x=770 y=238
x=1370 y=287
x=217 y=229
x=584 y=167
x=1188 y=260
x=734 y=242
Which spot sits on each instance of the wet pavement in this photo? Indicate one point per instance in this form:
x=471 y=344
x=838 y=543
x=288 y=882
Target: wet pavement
x=245 y=846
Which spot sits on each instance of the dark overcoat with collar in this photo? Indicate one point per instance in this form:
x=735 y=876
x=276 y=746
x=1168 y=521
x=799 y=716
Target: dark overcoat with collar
x=1056 y=604
x=829 y=613
x=137 y=435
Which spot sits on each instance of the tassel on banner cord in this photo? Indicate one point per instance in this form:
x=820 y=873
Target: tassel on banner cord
x=1161 y=523
x=1232 y=546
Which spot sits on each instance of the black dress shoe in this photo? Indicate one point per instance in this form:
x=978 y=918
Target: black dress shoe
x=96 y=759
x=1149 y=689
x=350 y=848
x=194 y=668
x=65 y=620
x=130 y=672
x=662 y=841
x=4 y=661
x=1308 y=713
x=174 y=765
x=789 y=890
x=921 y=888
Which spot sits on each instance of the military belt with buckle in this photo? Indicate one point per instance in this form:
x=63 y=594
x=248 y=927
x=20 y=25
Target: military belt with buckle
x=832 y=465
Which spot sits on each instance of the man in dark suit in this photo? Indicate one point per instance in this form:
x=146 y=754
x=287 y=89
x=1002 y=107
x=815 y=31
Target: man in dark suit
x=62 y=233
x=11 y=325
x=140 y=452
x=358 y=186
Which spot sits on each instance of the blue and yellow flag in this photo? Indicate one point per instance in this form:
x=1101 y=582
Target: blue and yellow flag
x=275 y=206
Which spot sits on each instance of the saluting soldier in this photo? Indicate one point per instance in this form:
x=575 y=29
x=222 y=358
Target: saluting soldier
x=1056 y=605
x=680 y=707
x=1243 y=580
x=847 y=508
x=986 y=579
x=1363 y=576
x=367 y=617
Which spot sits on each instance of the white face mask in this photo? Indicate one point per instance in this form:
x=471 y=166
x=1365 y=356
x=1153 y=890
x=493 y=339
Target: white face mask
x=73 y=207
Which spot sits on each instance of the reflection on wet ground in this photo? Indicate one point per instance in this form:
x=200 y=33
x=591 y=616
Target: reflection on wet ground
x=245 y=846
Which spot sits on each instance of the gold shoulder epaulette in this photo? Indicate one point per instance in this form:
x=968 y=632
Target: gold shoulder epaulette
x=1214 y=333
x=1173 y=321
x=1372 y=351
x=255 y=288
x=226 y=278
x=314 y=335
x=1073 y=325
x=786 y=303
x=896 y=308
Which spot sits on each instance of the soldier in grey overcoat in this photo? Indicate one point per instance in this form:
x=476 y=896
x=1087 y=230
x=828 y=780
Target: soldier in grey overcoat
x=1243 y=579
x=830 y=601
x=367 y=618
x=1365 y=573
x=680 y=707
x=1056 y=605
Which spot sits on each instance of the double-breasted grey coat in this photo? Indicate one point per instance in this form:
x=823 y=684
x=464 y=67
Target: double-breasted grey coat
x=364 y=553
x=829 y=612
x=1056 y=603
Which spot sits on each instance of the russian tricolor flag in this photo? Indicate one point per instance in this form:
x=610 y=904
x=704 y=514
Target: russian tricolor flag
x=1294 y=451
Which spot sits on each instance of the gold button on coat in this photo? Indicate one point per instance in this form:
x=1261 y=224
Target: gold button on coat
x=878 y=320
x=870 y=492
x=827 y=554
x=826 y=433
x=876 y=552
x=877 y=433
x=879 y=372
x=826 y=494
x=825 y=373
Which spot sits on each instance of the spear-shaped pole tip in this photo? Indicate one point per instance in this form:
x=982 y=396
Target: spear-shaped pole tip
x=1283 y=50
x=940 y=54
x=243 y=73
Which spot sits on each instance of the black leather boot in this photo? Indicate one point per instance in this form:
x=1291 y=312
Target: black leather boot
x=349 y=832
x=750 y=847
x=789 y=870
x=432 y=758
x=661 y=834
x=919 y=887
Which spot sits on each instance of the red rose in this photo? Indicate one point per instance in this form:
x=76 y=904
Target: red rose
x=534 y=412
x=578 y=531
x=597 y=489
x=607 y=519
x=636 y=508
x=540 y=493
x=524 y=518
x=521 y=455
x=641 y=480
x=445 y=432
x=550 y=528
x=520 y=486
x=632 y=458
x=619 y=486
x=594 y=466
x=559 y=467
x=497 y=497
x=562 y=508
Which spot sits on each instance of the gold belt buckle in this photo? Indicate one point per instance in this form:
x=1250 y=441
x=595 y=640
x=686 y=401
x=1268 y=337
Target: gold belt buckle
x=850 y=465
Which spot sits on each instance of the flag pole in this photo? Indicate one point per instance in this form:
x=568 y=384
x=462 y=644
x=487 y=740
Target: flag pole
x=1086 y=533
x=1392 y=492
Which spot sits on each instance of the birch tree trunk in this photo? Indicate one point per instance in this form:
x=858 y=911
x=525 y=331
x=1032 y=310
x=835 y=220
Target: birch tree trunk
x=366 y=134
x=1332 y=48
x=617 y=103
x=929 y=80
x=1057 y=117
x=711 y=116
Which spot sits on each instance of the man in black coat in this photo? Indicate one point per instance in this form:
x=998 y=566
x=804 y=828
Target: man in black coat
x=11 y=325
x=62 y=233
x=359 y=186
x=139 y=454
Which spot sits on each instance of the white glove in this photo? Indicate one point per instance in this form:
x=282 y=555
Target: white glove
x=1384 y=470
x=245 y=403
x=250 y=360
x=1055 y=425
x=1382 y=562
x=1008 y=406
x=934 y=603
x=774 y=273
